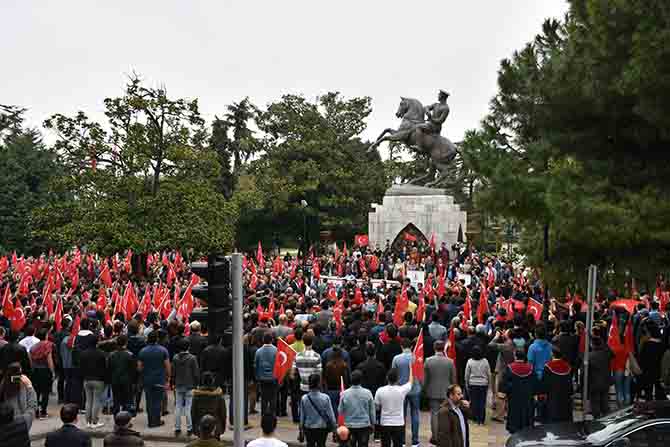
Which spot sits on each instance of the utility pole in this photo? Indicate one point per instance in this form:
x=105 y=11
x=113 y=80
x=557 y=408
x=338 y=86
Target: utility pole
x=590 y=296
x=238 y=351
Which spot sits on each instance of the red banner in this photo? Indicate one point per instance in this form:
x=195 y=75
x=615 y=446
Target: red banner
x=361 y=240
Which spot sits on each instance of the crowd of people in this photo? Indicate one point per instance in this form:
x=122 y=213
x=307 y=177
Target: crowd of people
x=373 y=347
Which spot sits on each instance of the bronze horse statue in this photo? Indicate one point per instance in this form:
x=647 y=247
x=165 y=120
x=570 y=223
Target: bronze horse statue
x=439 y=149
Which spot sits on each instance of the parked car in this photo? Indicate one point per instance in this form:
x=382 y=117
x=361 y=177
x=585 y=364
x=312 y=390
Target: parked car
x=640 y=425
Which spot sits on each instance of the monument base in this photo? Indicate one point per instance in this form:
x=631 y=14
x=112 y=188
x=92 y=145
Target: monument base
x=407 y=208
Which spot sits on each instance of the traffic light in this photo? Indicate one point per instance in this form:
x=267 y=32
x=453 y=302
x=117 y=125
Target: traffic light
x=215 y=295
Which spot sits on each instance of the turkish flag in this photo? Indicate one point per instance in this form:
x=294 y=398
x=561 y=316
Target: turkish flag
x=421 y=308
x=483 y=307
x=417 y=363
x=629 y=305
x=613 y=340
x=401 y=305
x=467 y=313
x=283 y=360
x=58 y=316
x=74 y=332
x=535 y=309
x=450 y=350
x=105 y=276
x=259 y=257
x=102 y=299
x=629 y=340
x=361 y=240
x=7 y=305
x=441 y=288
x=409 y=237
x=18 y=318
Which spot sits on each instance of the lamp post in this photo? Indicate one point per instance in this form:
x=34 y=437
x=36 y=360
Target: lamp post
x=304 y=205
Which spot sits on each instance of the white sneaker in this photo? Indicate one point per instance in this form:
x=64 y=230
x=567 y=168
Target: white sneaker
x=98 y=425
x=89 y=425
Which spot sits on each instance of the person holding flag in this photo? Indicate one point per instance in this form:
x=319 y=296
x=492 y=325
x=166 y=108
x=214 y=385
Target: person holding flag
x=403 y=363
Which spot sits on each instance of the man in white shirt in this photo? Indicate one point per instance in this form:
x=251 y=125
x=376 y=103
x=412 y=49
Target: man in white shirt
x=390 y=401
x=267 y=439
x=29 y=340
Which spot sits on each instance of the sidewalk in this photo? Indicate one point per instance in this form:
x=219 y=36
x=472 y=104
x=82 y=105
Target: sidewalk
x=490 y=435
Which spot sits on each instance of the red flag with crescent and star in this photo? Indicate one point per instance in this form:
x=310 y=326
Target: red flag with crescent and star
x=535 y=309
x=283 y=360
x=417 y=364
x=361 y=240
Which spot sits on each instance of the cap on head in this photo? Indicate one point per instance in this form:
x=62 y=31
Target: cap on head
x=444 y=92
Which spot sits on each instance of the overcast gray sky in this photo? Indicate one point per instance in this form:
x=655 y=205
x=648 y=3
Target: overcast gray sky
x=63 y=56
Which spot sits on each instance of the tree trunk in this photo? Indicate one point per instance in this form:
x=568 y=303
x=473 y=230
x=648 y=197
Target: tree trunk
x=157 y=174
x=546 y=242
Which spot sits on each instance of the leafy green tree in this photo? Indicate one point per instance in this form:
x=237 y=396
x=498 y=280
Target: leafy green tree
x=313 y=152
x=26 y=167
x=574 y=146
x=146 y=179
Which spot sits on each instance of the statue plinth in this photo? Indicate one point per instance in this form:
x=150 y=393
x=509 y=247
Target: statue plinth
x=430 y=210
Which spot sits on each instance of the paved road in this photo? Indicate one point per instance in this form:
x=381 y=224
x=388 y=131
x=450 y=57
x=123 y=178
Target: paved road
x=490 y=435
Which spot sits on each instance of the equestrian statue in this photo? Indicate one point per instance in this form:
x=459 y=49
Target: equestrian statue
x=420 y=130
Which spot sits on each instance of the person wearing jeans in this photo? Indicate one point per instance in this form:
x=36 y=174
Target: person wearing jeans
x=620 y=366
x=358 y=407
x=186 y=376
x=154 y=364
x=93 y=367
x=390 y=401
x=264 y=367
x=93 y=390
x=316 y=414
x=403 y=363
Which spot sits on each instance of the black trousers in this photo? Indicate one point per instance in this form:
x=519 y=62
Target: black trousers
x=316 y=437
x=269 y=397
x=231 y=416
x=296 y=396
x=393 y=435
x=599 y=403
x=60 y=385
x=360 y=437
x=282 y=399
x=43 y=380
x=122 y=397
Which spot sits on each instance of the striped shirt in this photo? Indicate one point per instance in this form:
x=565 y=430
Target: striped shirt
x=307 y=363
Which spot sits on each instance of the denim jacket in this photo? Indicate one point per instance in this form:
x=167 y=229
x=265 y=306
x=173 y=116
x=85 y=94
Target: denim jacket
x=309 y=415
x=358 y=407
x=265 y=362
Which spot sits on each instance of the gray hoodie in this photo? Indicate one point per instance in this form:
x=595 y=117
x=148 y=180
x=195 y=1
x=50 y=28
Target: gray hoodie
x=185 y=371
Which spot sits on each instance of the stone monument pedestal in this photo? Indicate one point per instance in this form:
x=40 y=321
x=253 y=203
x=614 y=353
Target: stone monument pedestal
x=430 y=210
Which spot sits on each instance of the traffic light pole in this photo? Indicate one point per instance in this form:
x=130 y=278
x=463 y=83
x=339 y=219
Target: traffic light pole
x=238 y=352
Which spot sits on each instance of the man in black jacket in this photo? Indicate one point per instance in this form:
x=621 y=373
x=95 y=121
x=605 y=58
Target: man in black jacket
x=389 y=346
x=123 y=436
x=14 y=352
x=68 y=435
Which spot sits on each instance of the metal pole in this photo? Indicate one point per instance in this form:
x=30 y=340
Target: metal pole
x=590 y=296
x=238 y=353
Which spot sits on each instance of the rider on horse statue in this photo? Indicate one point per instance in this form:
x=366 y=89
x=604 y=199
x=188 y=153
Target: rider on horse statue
x=420 y=130
x=436 y=114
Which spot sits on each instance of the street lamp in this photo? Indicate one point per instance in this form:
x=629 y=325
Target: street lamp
x=304 y=205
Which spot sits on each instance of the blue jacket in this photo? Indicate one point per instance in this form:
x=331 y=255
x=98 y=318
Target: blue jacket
x=309 y=410
x=265 y=362
x=358 y=407
x=539 y=353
